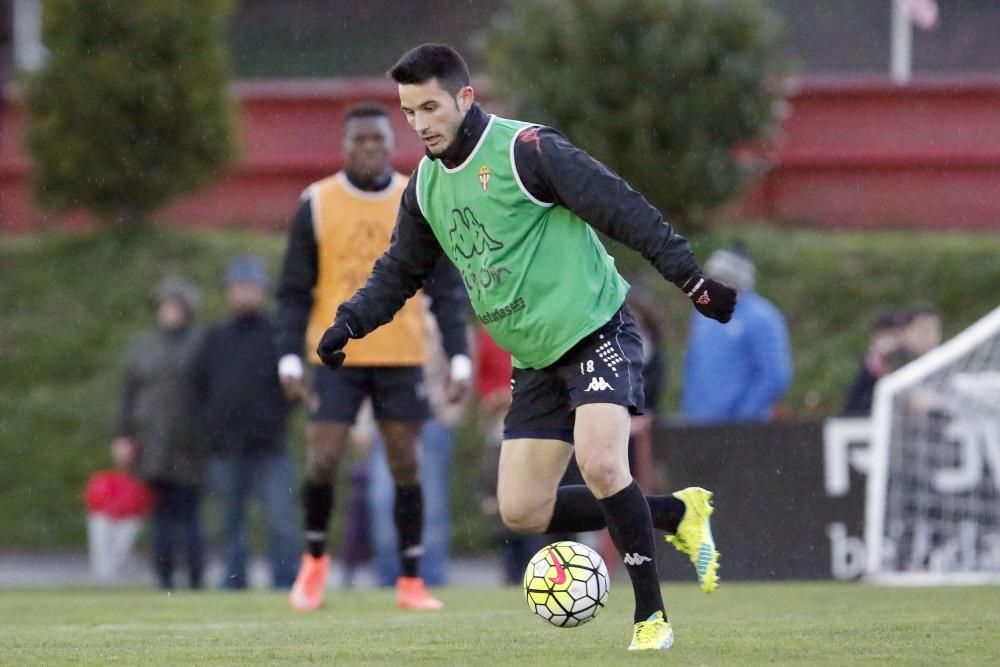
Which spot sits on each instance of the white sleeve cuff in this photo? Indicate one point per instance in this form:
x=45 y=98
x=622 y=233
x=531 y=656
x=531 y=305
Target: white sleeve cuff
x=461 y=368
x=290 y=367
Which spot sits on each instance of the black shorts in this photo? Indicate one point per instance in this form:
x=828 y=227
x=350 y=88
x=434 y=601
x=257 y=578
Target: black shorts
x=397 y=393
x=604 y=367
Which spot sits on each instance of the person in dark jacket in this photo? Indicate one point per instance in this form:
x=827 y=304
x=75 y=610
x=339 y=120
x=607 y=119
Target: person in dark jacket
x=879 y=360
x=155 y=436
x=895 y=338
x=242 y=414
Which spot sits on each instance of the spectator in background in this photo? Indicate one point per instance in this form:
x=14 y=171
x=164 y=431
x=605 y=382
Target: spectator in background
x=242 y=413
x=155 y=433
x=736 y=372
x=896 y=337
x=880 y=357
x=117 y=503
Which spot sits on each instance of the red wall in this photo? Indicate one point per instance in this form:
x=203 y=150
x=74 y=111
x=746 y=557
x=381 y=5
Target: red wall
x=290 y=138
x=865 y=153
x=850 y=153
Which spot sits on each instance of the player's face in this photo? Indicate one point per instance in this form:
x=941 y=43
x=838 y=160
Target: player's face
x=434 y=113
x=368 y=145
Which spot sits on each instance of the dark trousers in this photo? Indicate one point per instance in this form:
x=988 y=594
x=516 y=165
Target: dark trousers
x=176 y=526
x=268 y=477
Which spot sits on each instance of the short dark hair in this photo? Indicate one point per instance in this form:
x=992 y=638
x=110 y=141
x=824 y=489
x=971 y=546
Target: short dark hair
x=432 y=61
x=887 y=320
x=365 y=110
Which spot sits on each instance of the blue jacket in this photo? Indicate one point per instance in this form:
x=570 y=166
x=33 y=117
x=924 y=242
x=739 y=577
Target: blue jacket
x=737 y=371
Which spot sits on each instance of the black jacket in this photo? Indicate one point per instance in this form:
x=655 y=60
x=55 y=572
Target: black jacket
x=552 y=170
x=859 y=397
x=240 y=406
x=444 y=287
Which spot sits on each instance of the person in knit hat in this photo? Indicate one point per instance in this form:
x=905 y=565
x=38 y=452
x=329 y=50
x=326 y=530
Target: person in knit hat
x=242 y=415
x=155 y=434
x=737 y=372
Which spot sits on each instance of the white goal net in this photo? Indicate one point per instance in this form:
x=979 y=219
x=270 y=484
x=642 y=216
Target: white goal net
x=933 y=501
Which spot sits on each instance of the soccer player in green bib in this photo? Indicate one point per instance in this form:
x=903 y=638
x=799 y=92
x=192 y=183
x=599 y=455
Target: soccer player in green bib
x=514 y=206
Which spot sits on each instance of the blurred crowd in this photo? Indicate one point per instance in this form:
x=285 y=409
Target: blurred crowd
x=203 y=415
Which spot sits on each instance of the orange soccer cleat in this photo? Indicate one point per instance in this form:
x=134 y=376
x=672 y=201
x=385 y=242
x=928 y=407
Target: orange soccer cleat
x=412 y=594
x=310 y=584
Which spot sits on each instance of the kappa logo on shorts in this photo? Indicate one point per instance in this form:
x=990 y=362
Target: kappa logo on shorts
x=598 y=384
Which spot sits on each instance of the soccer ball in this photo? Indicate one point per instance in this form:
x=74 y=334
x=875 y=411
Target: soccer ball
x=566 y=583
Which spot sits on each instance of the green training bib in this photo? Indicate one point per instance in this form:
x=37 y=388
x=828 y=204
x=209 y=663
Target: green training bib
x=537 y=275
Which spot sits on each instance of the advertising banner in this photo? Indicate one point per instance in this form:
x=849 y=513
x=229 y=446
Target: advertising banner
x=788 y=505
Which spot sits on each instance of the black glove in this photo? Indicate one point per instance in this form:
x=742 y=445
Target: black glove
x=331 y=345
x=711 y=298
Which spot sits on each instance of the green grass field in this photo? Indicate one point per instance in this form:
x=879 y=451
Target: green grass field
x=746 y=624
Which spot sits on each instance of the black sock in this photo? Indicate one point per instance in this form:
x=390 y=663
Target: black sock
x=576 y=511
x=317 y=499
x=409 y=516
x=631 y=529
x=667 y=512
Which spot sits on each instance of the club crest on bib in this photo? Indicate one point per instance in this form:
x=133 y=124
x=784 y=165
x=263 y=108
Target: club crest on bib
x=484 y=177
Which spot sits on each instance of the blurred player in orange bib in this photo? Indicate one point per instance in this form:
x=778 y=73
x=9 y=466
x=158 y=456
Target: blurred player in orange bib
x=342 y=226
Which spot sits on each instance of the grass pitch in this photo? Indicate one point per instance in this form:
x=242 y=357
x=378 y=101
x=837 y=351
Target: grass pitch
x=745 y=624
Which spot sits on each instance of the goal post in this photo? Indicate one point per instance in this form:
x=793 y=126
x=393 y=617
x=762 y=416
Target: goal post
x=932 y=513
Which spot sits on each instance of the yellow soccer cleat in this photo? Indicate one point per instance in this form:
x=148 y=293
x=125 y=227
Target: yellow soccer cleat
x=694 y=536
x=653 y=634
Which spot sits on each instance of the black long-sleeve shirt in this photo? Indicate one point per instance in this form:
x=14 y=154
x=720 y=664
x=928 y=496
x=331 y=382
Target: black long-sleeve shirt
x=552 y=170
x=448 y=300
x=239 y=403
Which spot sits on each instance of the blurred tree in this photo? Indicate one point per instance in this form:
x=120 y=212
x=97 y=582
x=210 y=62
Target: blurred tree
x=660 y=90
x=131 y=108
